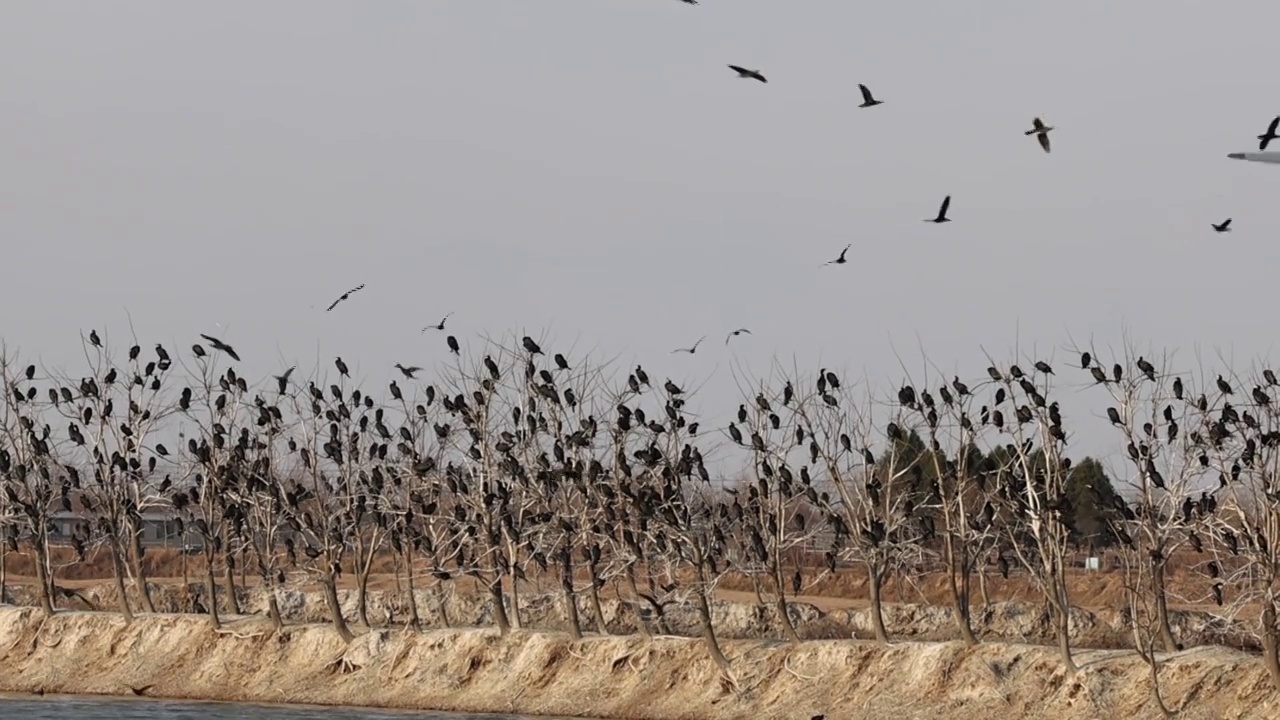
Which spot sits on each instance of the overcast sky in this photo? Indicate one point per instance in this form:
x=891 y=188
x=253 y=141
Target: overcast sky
x=592 y=169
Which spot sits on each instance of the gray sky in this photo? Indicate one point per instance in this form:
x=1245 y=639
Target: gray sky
x=591 y=167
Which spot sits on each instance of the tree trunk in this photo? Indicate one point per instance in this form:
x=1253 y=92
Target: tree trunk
x=415 y=621
x=1162 y=607
x=566 y=589
x=1270 y=642
x=362 y=594
x=1062 y=609
x=139 y=575
x=499 y=608
x=45 y=597
x=596 y=606
x=709 y=632
x=874 y=589
x=117 y=569
x=273 y=606
x=780 y=602
x=4 y=572
x=982 y=587
x=642 y=624
x=229 y=577
x=442 y=603
x=212 y=584
x=335 y=608
x=513 y=555
x=959 y=587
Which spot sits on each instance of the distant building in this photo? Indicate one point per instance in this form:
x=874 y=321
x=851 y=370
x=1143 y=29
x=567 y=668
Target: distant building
x=159 y=529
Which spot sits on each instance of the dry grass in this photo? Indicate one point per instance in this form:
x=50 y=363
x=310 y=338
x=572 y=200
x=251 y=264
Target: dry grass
x=615 y=677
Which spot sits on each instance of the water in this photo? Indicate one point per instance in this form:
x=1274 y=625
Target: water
x=52 y=707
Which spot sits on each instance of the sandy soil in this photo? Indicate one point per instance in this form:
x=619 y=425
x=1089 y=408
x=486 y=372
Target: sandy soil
x=180 y=656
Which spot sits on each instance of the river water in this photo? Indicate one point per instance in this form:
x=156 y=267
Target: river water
x=68 y=707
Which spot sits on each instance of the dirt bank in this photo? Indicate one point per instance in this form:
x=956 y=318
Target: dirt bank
x=180 y=656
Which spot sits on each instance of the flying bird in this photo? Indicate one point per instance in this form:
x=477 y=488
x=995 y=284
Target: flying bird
x=736 y=333
x=438 y=327
x=689 y=2
x=867 y=100
x=1041 y=131
x=840 y=260
x=1269 y=135
x=407 y=371
x=283 y=380
x=942 y=212
x=345 y=296
x=745 y=73
x=219 y=345
x=690 y=350
x=1224 y=226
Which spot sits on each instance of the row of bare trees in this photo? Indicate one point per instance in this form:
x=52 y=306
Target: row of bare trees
x=510 y=463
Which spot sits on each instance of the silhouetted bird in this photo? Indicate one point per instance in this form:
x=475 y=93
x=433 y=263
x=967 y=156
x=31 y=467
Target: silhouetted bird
x=1085 y=360
x=1041 y=131
x=735 y=334
x=439 y=326
x=94 y=339
x=1224 y=226
x=745 y=73
x=1224 y=387
x=452 y=342
x=1269 y=135
x=219 y=345
x=530 y=346
x=345 y=296
x=560 y=361
x=672 y=388
x=840 y=260
x=1043 y=367
x=283 y=380
x=867 y=100
x=690 y=350
x=407 y=371
x=942 y=212
x=342 y=367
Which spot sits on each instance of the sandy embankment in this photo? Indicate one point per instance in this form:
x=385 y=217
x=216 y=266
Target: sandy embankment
x=180 y=656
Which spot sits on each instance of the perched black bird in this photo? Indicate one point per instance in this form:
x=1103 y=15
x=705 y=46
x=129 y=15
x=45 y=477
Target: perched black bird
x=439 y=326
x=748 y=74
x=407 y=371
x=345 y=296
x=1041 y=131
x=1147 y=368
x=942 y=212
x=94 y=339
x=867 y=100
x=1224 y=226
x=1044 y=367
x=560 y=361
x=1269 y=135
x=452 y=342
x=1224 y=386
x=735 y=334
x=840 y=260
x=690 y=350
x=530 y=346
x=672 y=388
x=219 y=345
x=1085 y=360
x=342 y=367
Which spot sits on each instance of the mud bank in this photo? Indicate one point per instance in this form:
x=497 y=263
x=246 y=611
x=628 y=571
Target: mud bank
x=181 y=656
